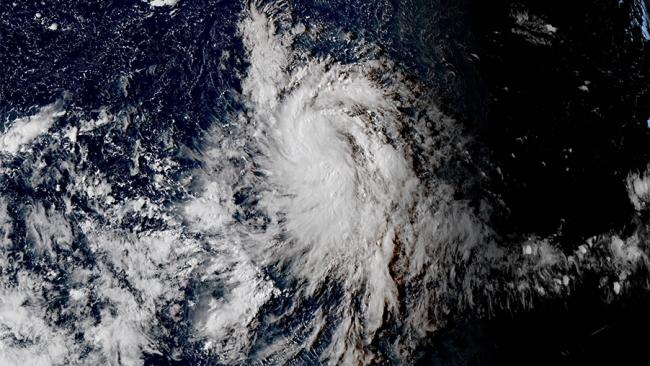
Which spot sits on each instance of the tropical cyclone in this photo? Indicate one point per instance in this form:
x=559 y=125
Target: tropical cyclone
x=334 y=171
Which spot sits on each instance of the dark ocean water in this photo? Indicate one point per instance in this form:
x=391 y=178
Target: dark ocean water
x=150 y=125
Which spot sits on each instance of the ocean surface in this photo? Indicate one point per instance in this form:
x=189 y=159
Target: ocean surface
x=299 y=182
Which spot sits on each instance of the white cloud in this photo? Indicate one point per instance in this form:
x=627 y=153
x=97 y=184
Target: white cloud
x=159 y=3
x=25 y=129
